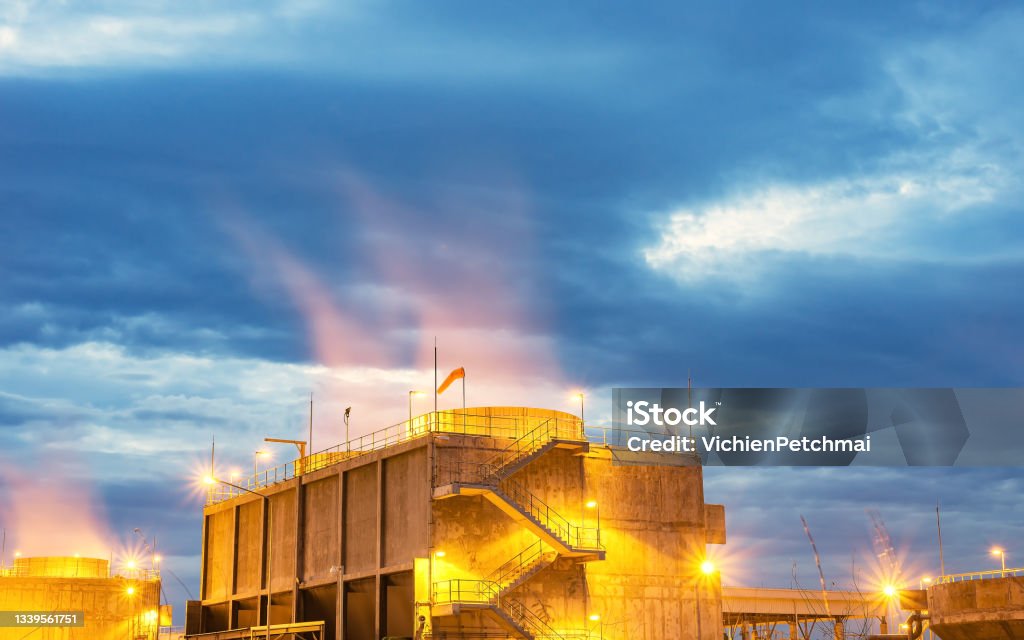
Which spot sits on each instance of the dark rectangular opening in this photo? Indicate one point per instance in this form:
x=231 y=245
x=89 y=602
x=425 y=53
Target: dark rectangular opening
x=397 y=602
x=321 y=603
x=360 y=609
x=216 y=617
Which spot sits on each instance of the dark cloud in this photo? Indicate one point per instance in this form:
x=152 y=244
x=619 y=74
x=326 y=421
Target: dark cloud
x=544 y=149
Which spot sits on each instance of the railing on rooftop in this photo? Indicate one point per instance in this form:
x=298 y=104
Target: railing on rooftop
x=455 y=421
x=981 y=575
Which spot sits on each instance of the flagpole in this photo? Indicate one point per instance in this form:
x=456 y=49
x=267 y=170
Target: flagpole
x=435 y=377
x=463 y=403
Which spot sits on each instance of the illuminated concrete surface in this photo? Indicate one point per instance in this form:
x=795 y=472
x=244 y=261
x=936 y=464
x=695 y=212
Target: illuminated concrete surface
x=115 y=607
x=477 y=525
x=982 y=609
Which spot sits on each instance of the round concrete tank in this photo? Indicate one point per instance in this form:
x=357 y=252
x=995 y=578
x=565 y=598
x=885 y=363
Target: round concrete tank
x=61 y=567
x=991 y=609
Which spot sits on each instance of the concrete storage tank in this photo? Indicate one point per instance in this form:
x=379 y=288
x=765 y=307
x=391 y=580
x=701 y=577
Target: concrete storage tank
x=100 y=606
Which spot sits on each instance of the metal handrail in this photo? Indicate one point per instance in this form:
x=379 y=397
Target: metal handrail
x=981 y=575
x=453 y=421
x=573 y=535
x=518 y=564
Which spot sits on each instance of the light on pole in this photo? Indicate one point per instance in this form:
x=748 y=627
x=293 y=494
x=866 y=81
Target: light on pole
x=259 y=453
x=996 y=551
x=418 y=394
x=580 y=396
x=211 y=481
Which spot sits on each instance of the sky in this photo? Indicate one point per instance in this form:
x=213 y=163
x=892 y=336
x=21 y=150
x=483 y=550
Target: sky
x=209 y=211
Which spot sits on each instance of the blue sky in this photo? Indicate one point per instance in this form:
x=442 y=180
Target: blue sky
x=209 y=210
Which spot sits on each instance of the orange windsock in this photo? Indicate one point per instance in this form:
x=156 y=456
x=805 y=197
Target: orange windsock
x=452 y=377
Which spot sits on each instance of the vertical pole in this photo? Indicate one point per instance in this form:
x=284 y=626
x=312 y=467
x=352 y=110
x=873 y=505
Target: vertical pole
x=270 y=559
x=435 y=375
x=463 y=403
x=311 y=422
x=938 y=524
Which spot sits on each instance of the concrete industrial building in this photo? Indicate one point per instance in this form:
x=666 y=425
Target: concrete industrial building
x=493 y=522
x=110 y=607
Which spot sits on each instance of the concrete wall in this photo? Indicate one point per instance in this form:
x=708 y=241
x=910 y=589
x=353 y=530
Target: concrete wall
x=346 y=539
x=107 y=605
x=340 y=535
x=991 y=609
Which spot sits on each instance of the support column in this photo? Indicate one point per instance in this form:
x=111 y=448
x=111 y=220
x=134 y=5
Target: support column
x=840 y=629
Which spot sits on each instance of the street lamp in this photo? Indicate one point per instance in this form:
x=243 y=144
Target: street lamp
x=211 y=481
x=996 y=551
x=580 y=396
x=260 y=453
x=418 y=394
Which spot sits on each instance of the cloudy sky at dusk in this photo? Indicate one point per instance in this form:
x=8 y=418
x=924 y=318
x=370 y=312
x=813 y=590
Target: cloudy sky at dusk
x=208 y=211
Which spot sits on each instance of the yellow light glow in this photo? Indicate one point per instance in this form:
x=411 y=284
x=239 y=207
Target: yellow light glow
x=996 y=551
x=418 y=394
x=889 y=591
x=235 y=474
x=17 y=554
x=707 y=567
x=927 y=580
x=209 y=480
x=157 y=559
x=130 y=564
x=578 y=395
x=263 y=454
x=130 y=591
x=151 y=615
x=439 y=554
x=591 y=504
x=594 y=617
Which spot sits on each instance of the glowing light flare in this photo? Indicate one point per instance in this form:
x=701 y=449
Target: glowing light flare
x=52 y=512
x=439 y=554
x=130 y=591
x=591 y=504
x=593 y=617
x=889 y=591
x=707 y=567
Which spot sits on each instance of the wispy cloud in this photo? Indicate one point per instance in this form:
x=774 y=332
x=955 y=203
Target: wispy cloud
x=48 y=35
x=879 y=216
x=957 y=169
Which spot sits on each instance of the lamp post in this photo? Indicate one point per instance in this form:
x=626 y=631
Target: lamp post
x=259 y=453
x=210 y=480
x=580 y=396
x=417 y=394
x=1002 y=558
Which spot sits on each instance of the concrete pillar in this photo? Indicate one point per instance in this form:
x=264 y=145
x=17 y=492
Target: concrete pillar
x=839 y=630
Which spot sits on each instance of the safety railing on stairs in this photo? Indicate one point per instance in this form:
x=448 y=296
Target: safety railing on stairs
x=550 y=430
x=519 y=564
x=573 y=535
x=487 y=593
